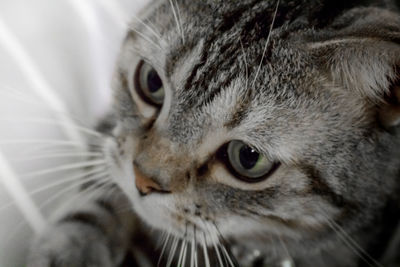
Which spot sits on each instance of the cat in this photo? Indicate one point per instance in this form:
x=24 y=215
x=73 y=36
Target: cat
x=246 y=133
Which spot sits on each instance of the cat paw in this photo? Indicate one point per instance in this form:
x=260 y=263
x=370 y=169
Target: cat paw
x=70 y=245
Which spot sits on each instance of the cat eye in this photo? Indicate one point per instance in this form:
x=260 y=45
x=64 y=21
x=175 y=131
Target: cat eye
x=246 y=163
x=149 y=85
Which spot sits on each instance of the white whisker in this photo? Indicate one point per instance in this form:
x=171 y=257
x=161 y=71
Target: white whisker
x=192 y=251
x=245 y=63
x=227 y=255
x=180 y=257
x=172 y=251
x=185 y=254
x=53 y=122
x=178 y=12
x=288 y=261
x=146 y=38
x=100 y=170
x=352 y=244
x=91 y=163
x=222 y=246
x=196 y=263
x=163 y=249
x=218 y=254
x=59 y=148
x=98 y=178
x=62 y=155
x=156 y=33
x=178 y=24
x=214 y=242
x=267 y=43
x=206 y=258
x=38 y=141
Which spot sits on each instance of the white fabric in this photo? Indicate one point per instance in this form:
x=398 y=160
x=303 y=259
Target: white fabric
x=73 y=45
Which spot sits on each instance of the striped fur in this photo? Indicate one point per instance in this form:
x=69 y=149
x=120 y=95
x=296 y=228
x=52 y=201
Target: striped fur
x=304 y=85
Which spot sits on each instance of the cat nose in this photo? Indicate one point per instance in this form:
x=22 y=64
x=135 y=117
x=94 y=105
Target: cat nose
x=144 y=184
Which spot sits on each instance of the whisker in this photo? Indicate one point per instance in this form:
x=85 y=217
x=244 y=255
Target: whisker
x=50 y=200
x=97 y=171
x=230 y=257
x=218 y=254
x=146 y=38
x=53 y=122
x=178 y=25
x=62 y=155
x=172 y=251
x=214 y=242
x=267 y=42
x=90 y=163
x=352 y=244
x=43 y=141
x=180 y=258
x=195 y=243
x=60 y=148
x=205 y=252
x=161 y=239
x=185 y=254
x=287 y=262
x=178 y=12
x=60 y=182
x=47 y=202
x=156 y=33
x=163 y=249
x=193 y=248
x=245 y=63
x=226 y=262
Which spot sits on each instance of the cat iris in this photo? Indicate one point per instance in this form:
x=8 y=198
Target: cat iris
x=243 y=161
x=149 y=84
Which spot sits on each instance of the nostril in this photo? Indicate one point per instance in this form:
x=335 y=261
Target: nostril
x=144 y=184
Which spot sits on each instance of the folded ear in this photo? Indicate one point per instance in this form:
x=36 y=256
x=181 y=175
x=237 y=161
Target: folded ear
x=390 y=112
x=365 y=58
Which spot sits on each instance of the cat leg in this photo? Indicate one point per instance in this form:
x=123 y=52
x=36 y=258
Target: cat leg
x=93 y=232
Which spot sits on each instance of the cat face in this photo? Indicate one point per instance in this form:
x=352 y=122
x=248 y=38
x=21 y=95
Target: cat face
x=252 y=126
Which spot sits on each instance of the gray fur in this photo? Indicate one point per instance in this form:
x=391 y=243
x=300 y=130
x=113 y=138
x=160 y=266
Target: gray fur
x=312 y=105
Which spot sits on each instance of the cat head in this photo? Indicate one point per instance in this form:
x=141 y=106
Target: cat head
x=257 y=119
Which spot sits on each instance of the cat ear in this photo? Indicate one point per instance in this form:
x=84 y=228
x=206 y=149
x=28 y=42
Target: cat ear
x=389 y=113
x=365 y=60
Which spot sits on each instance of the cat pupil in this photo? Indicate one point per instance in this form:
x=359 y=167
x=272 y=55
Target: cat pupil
x=248 y=157
x=154 y=82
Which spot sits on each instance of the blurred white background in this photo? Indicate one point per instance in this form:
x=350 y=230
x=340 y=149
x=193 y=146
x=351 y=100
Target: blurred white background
x=70 y=48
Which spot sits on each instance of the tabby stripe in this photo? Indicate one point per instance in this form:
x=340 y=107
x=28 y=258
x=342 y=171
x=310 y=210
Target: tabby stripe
x=86 y=219
x=209 y=70
x=107 y=207
x=320 y=187
x=242 y=23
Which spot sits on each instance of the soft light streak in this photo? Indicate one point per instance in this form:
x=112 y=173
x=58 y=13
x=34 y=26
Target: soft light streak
x=38 y=83
x=21 y=197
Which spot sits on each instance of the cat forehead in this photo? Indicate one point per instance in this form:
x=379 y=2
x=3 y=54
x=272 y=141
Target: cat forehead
x=213 y=60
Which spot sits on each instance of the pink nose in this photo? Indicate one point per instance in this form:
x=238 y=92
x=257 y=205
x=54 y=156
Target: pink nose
x=144 y=184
